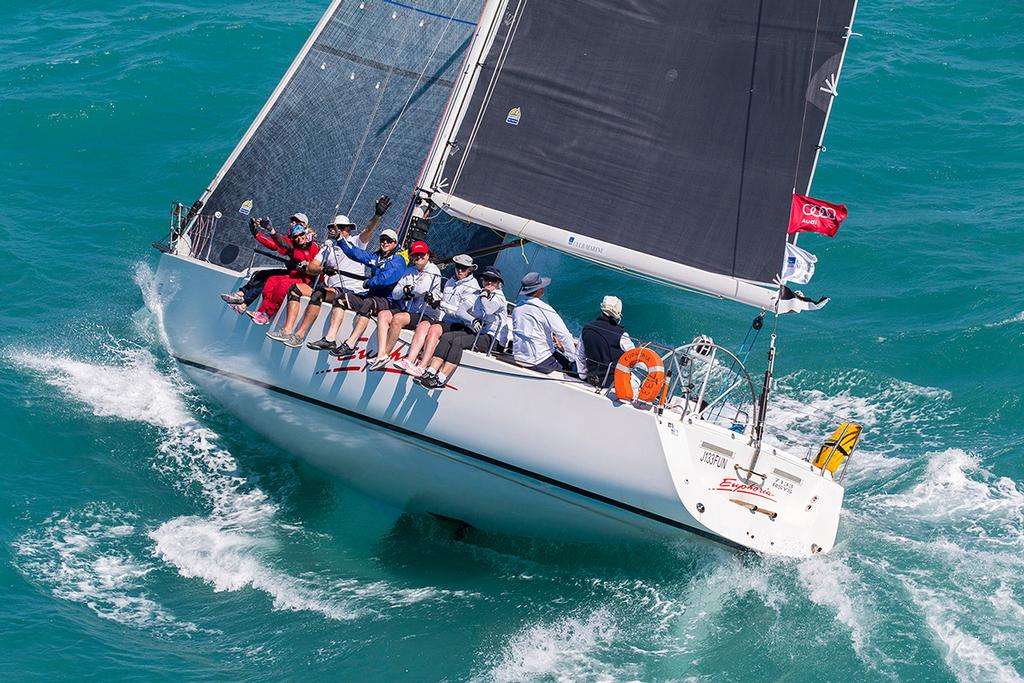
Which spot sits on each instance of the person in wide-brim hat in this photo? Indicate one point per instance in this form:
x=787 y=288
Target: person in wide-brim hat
x=540 y=338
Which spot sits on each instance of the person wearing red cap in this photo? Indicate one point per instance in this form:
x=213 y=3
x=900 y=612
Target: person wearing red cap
x=409 y=302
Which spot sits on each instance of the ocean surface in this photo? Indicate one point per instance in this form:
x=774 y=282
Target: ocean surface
x=146 y=534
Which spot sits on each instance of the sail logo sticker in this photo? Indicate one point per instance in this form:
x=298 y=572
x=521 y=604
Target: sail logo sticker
x=246 y=207
x=585 y=246
x=514 y=114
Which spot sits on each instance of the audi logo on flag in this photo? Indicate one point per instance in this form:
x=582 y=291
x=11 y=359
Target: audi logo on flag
x=815 y=211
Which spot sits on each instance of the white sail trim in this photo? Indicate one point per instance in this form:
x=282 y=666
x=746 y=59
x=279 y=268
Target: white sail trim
x=610 y=255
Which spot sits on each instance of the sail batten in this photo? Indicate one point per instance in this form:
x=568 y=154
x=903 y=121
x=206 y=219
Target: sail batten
x=671 y=129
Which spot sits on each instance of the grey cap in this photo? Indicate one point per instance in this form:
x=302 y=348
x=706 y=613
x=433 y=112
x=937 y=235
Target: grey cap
x=464 y=260
x=534 y=281
x=342 y=221
x=390 y=234
x=300 y=217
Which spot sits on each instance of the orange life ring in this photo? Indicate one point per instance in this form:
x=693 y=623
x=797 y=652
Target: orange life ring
x=652 y=385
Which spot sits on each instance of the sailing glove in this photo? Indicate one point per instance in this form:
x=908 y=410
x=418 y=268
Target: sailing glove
x=431 y=300
x=329 y=270
x=407 y=290
x=254 y=226
x=302 y=265
x=477 y=325
x=383 y=204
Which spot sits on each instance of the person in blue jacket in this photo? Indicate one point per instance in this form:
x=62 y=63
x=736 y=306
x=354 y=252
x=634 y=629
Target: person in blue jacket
x=385 y=267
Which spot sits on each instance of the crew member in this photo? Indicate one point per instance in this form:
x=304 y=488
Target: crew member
x=540 y=339
x=602 y=341
x=481 y=324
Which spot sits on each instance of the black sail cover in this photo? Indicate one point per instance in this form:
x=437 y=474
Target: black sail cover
x=353 y=121
x=675 y=128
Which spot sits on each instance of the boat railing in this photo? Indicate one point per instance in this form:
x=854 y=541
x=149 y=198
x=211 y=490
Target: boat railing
x=709 y=382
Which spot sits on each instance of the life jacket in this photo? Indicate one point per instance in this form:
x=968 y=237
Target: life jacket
x=601 y=342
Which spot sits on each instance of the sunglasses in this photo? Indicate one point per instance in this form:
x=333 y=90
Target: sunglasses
x=489 y=280
x=458 y=267
x=386 y=240
x=421 y=255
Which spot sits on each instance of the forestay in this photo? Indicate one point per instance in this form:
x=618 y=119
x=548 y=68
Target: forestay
x=664 y=137
x=353 y=118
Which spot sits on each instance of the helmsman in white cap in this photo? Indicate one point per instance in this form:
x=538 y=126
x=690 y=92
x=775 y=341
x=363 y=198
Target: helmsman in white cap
x=602 y=342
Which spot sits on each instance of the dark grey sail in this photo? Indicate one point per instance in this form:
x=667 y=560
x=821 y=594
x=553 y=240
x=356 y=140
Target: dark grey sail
x=672 y=128
x=352 y=119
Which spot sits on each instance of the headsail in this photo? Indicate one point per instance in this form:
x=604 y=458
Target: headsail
x=663 y=137
x=352 y=118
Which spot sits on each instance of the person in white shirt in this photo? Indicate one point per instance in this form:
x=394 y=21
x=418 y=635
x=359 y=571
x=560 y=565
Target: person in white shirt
x=341 y=278
x=458 y=293
x=409 y=308
x=481 y=324
x=537 y=331
x=602 y=343
x=327 y=265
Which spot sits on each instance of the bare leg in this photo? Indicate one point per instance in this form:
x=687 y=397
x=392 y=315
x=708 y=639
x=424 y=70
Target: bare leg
x=433 y=336
x=361 y=323
x=337 y=318
x=311 y=314
x=383 y=324
x=398 y=321
x=291 y=313
x=418 y=337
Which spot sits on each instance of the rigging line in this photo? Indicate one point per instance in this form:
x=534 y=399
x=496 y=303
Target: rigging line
x=373 y=115
x=405 y=106
x=803 y=120
x=486 y=100
x=746 y=136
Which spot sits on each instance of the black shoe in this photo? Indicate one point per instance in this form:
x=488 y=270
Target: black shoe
x=431 y=381
x=343 y=349
x=322 y=345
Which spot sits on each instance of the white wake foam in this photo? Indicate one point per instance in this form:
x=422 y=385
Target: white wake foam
x=229 y=546
x=831 y=583
x=1019 y=318
x=567 y=649
x=83 y=558
x=966 y=656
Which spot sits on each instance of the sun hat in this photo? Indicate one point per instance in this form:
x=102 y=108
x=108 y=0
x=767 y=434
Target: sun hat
x=464 y=260
x=389 y=234
x=492 y=273
x=611 y=306
x=533 y=282
x=342 y=221
x=418 y=247
x=300 y=217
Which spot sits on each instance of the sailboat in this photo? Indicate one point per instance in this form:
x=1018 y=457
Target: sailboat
x=663 y=139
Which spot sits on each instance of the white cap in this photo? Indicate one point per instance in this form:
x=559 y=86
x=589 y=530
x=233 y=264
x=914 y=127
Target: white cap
x=342 y=220
x=391 y=234
x=611 y=306
x=300 y=217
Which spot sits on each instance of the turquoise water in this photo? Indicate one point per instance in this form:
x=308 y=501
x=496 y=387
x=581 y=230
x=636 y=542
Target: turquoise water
x=145 y=534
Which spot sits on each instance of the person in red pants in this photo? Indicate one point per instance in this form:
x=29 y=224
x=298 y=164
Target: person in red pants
x=300 y=248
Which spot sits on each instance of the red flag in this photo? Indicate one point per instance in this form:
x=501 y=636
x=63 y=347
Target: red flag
x=813 y=215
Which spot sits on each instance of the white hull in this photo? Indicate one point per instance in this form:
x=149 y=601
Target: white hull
x=502 y=449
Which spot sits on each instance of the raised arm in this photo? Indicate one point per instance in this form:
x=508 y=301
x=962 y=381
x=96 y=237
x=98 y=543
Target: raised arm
x=379 y=209
x=354 y=252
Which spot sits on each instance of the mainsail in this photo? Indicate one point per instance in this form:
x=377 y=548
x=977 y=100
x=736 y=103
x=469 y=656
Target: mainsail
x=663 y=137
x=352 y=118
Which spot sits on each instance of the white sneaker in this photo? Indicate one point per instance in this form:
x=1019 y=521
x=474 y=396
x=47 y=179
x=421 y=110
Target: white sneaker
x=415 y=370
x=402 y=364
